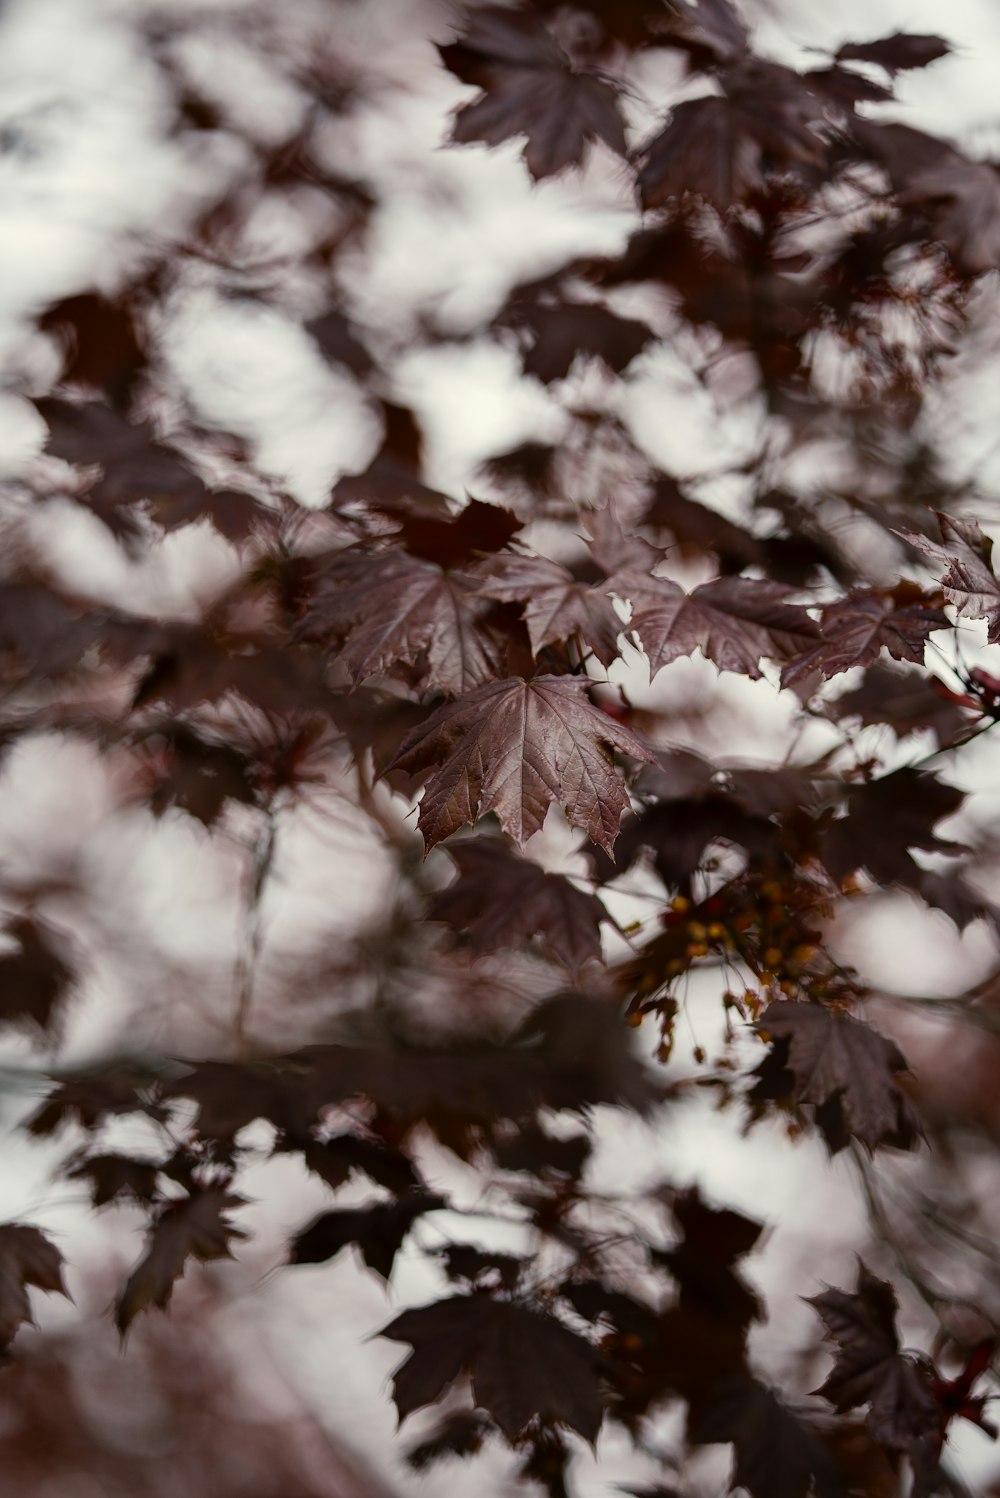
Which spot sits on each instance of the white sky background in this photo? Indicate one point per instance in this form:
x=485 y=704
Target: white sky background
x=86 y=168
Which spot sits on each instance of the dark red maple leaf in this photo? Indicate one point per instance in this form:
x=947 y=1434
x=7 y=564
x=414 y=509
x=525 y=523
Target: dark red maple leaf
x=27 y=1258
x=776 y=1454
x=334 y=1160
x=453 y=540
x=194 y=1228
x=393 y=479
x=41 y=633
x=35 y=977
x=194 y=774
x=571 y=329
x=884 y=819
x=534 y=1150
x=392 y=608
x=734 y=621
x=87 y=1099
x=854 y=630
x=557 y=606
x=525 y=1364
x=712 y=32
x=103 y=350
x=500 y=899
x=378 y=1231
x=114 y=1175
x=459 y=1434
x=723 y=148
x=905 y=700
x=529 y=87
x=703 y=1262
x=870 y=1369
x=134 y=467
x=969 y=582
x=516 y=747
x=958 y=198
x=898 y=52
x=844 y=1068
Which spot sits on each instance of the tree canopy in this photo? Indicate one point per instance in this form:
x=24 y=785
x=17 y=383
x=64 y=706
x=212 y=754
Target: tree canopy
x=549 y=744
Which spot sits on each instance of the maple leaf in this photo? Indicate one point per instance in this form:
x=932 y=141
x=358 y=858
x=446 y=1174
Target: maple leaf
x=959 y=198
x=502 y=900
x=529 y=87
x=557 y=606
x=394 y=608
x=843 y=1067
x=378 y=1231
x=734 y=621
x=680 y=831
x=712 y=32
x=845 y=88
x=722 y=148
x=454 y=540
x=87 y=1099
x=35 y=978
x=102 y=345
x=969 y=582
x=135 y=467
x=869 y=1368
x=525 y=1365
x=41 y=633
x=884 y=819
x=514 y=747
x=115 y=1175
x=537 y=1152
x=854 y=630
x=463 y=1261
x=776 y=1455
x=898 y=52
x=905 y=700
x=334 y=1160
x=393 y=478
x=460 y=1434
x=193 y=1228
x=571 y=329
x=27 y=1258
x=196 y=775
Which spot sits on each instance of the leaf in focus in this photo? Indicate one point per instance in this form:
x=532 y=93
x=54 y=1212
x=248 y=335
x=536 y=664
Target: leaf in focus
x=557 y=607
x=969 y=582
x=734 y=621
x=516 y=747
x=855 y=630
x=395 y=608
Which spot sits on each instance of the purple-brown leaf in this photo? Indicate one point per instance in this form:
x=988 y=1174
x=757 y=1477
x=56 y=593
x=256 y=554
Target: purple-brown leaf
x=516 y=747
